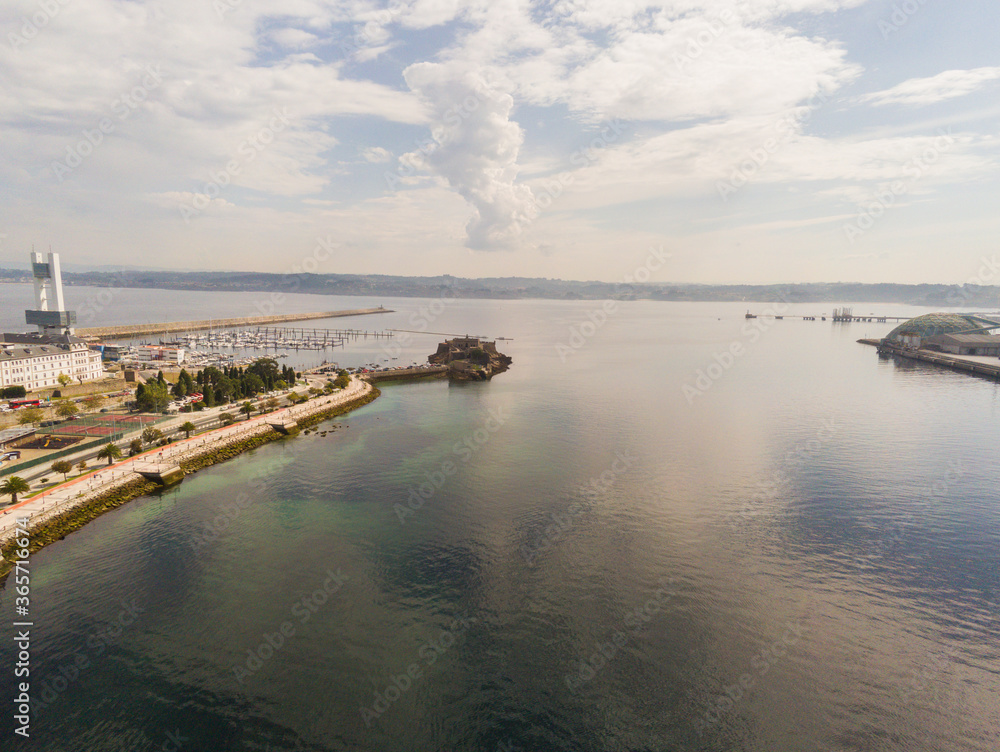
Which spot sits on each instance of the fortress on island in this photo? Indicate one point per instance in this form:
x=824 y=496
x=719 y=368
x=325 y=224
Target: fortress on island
x=470 y=359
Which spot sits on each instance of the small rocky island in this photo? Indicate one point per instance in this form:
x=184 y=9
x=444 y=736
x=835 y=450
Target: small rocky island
x=470 y=359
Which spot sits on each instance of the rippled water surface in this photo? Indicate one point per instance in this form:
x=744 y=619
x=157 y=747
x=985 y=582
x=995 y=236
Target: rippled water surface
x=799 y=552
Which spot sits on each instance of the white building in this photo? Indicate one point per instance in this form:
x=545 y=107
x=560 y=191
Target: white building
x=39 y=366
x=35 y=361
x=157 y=354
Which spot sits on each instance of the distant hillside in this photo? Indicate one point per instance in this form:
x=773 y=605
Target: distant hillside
x=968 y=296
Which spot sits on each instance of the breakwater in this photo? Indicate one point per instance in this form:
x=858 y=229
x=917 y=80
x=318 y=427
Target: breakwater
x=403 y=374
x=167 y=327
x=955 y=362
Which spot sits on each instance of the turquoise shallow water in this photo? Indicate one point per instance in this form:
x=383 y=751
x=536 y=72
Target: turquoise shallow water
x=803 y=556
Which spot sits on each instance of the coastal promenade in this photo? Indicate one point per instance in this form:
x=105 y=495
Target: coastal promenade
x=167 y=327
x=61 y=498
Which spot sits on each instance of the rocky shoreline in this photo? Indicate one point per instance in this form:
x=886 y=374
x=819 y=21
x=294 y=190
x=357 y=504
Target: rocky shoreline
x=54 y=525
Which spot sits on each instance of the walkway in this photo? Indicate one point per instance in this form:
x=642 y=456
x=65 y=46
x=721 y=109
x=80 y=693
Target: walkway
x=80 y=490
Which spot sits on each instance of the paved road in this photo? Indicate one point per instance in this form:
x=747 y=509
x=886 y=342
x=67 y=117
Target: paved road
x=108 y=477
x=202 y=420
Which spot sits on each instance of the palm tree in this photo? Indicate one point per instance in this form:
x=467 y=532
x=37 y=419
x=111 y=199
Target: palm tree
x=247 y=408
x=13 y=486
x=110 y=452
x=187 y=428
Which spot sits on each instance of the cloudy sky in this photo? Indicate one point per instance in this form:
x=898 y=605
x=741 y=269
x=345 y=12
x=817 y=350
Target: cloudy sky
x=754 y=140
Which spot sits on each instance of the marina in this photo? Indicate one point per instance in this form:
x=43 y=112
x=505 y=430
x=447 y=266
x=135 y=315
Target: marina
x=228 y=346
x=273 y=338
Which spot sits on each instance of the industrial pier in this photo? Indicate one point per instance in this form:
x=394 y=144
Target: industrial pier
x=957 y=363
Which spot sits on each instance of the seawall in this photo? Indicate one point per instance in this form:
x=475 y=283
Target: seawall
x=138 y=330
x=954 y=362
x=404 y=374
x=122 y=485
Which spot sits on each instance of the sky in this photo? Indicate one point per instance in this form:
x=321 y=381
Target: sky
x=745 y=141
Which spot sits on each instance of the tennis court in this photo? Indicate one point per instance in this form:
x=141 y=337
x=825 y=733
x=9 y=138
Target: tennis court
x=111 y=424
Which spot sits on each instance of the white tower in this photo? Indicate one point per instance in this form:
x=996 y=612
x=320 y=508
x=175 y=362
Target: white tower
x=50 y=315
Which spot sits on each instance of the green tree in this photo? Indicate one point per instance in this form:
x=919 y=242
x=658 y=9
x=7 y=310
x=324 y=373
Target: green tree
x=93 y=402
x=184 y=385
x=110 y=452
x=13 y=392
x=151 y=435
x=81 y=465
x=13 y=486
x=28 y=415
x=63 y=467
x=154 y=397
x=134 y=447
x=247 y=407
x=252 y=384
x=226 y=419
x=267 y=370
x=272 y=403
x=65 y=408
x=63 y=379
x=187 y=428
x=343 y=379
x=224 y=390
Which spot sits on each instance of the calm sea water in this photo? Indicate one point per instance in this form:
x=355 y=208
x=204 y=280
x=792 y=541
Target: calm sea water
x=800 y=555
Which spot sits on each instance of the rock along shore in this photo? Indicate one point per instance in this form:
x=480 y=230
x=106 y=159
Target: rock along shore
x=56 y=513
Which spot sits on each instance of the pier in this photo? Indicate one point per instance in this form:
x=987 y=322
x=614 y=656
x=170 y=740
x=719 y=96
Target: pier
x=838 y=316
x=954 y=362
x=405 y=373
x=850 y=318
x=165 y=476
x=168 y=327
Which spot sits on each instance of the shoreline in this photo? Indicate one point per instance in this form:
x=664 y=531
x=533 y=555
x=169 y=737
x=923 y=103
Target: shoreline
x=54 y=524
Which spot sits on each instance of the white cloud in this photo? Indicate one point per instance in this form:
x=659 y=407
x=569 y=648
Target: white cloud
x=295 y=38
x=376 y=154
x=943 y=86
x=475 y=150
